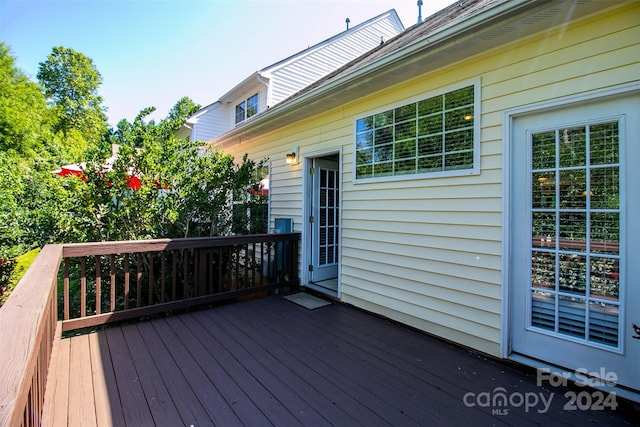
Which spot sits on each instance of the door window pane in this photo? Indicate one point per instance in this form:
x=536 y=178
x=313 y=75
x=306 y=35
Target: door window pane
x=575 y=232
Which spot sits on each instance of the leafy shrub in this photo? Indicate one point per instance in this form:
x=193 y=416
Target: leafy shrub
x=6 y=268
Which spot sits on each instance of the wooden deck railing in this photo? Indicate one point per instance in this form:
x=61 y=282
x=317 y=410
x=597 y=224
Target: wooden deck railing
x=28 y=327
x=112 y=281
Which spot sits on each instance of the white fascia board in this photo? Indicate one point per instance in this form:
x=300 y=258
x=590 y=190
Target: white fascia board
x=196 y=116
x=239 y=89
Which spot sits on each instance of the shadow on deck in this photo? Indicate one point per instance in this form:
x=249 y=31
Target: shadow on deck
x=272 y=362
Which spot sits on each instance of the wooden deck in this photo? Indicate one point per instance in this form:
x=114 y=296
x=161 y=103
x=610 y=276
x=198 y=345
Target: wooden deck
x=272 y=362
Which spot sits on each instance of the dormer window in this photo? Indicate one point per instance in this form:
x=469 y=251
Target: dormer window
x=247 y=108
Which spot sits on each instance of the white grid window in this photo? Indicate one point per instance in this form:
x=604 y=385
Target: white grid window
x=433 y=135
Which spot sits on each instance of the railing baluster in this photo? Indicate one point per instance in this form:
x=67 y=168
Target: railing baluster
x=293 y=260
x=35 y=396
x=236 y=267
x=185 y=281
x=259 y=266
x=210 y=272
x=205 y=286
x=83 y=287
x=245 y=274
x=65 y=297
x=196 y=272
x=126 y=281
x=162 y=276
x=151 y=278
x=254 y=265
x=112 y=282
x=189 y=266
x=98 y=284
x=174 y=273
x=138 y=279
x=204 y=267
x=219 y=283
x=211 y=283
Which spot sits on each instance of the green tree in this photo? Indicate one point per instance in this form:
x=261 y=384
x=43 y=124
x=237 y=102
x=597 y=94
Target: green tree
x=178 y=189
x=24 y=118
x=28 y=152
x=177 y=116
x=142 y=130
x=71 y=82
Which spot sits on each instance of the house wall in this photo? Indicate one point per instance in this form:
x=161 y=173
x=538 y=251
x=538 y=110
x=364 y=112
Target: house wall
x=248 y=91
x=428 y=252
x=302 y=71
x=210 y=124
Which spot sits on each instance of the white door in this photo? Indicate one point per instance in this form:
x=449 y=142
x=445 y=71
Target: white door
x=575 y=203
x=324 y=220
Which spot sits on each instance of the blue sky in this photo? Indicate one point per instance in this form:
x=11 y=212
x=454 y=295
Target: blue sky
x=153 y=52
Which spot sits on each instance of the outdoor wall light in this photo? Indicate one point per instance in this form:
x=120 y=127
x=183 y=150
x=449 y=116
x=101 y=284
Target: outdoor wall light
x=292 y=157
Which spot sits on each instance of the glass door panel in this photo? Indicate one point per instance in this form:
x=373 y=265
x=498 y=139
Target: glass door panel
x=575 y=232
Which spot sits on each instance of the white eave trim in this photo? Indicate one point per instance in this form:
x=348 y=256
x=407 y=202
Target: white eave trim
x=241 y=88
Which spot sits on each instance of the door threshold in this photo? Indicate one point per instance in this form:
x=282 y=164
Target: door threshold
x=619 y=390
x=328 y=287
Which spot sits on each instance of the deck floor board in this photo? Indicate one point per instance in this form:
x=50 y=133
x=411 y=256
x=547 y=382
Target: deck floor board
x=242 y=368
x=83 y=413
x=324 y=379
x=190 y=332
x=271 y=362
x=104 y=383
x=290 y=369
x=132 y=399
x=276 y=376
x=357 y=379
x=182 y=393
x=160 y=401
x=56 y=410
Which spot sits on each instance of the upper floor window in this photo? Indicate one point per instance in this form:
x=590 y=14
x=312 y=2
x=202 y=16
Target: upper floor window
x=247 y=108
x=437 y=135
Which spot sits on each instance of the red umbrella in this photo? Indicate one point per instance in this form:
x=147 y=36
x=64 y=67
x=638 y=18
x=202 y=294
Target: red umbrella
x=72 y=170
x=263 y=187
x=78 y=170
x=134 y=182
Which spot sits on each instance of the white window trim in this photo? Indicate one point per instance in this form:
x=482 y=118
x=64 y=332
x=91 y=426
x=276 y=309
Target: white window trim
x=428 y=175
x=245 y=101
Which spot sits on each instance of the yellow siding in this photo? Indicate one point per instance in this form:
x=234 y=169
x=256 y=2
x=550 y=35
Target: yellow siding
x=428 y=252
